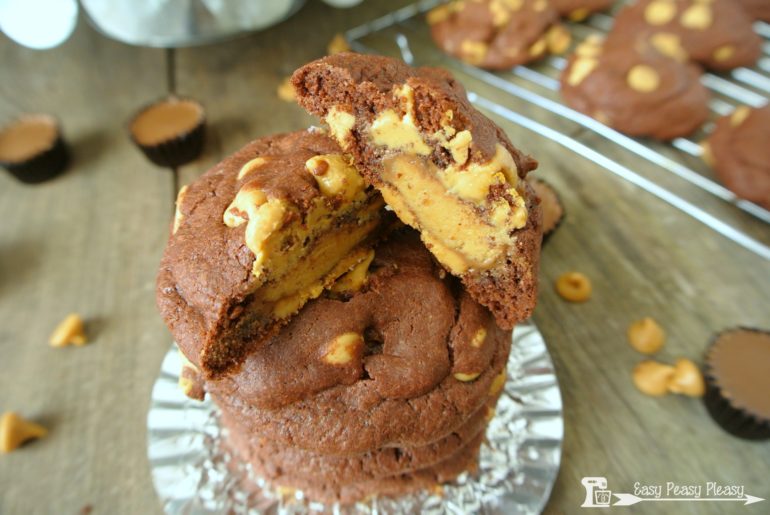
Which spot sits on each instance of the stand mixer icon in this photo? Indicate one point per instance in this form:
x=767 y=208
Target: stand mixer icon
x=597 y=495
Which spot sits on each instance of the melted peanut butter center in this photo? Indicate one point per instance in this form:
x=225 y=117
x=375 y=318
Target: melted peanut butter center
x=454 y=230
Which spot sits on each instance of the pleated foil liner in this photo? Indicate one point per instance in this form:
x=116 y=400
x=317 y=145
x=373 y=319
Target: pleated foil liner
x=194 y=474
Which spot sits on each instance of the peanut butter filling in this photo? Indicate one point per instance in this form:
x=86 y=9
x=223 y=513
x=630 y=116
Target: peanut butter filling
x=455 y=231
x=298 y=254
x=356 y=278
x=466 y=212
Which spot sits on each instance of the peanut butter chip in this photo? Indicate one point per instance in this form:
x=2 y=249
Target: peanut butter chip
x=591 y=47
x=581 y=69
x=343 y=349
x=15 y=430
x=558 y=39
x=251 y=166
x=498 y=383
x=467 y=377
x=651 y=377
x=739 y=115
x=579 y=14
x=538 y=48
x=178 y=206
x=697 y=17
x=478 y=339
x=659 y=12
x=643 y=78
x=500 y=13
x=687 y=379
x=438 y=14
x=724 y=53
x=646 y=336
x=70 y=331
x=474 y=52
x=574 y=287
x=540 y=5
x=669 y=45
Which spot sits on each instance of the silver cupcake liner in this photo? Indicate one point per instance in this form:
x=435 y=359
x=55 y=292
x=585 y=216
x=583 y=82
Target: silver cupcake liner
x=194 y=474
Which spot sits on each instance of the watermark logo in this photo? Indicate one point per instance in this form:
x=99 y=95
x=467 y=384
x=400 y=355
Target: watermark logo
x=599 y=496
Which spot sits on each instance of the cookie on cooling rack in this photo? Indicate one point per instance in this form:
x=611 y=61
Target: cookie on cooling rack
x=579 y=10
x=739 y=151
x=635 y=89
x=498 y=34
x=717 y=34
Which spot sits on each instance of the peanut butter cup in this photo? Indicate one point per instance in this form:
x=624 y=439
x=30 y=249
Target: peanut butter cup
x=170 y=131
x=32 y=148
x=738 y=383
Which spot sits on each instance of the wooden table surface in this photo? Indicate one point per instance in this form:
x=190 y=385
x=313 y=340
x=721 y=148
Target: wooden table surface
x=90 y=242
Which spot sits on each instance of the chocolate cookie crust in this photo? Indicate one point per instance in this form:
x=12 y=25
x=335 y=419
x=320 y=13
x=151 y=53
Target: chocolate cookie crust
x=421 y=358
x=443 y=167
x=652 y=94
x=256 y=237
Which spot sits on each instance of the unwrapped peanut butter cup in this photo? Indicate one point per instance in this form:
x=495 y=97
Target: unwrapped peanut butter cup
x=32 y=148
x=170 y=131
x=738 y=382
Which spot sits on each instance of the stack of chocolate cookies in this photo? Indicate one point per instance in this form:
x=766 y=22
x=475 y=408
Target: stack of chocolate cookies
x=347 y=295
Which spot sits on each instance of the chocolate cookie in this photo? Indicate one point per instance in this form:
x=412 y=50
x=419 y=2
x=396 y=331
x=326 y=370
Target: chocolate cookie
x=756 y=9
x=352 y=477
x=255 y=238
x=498 y=34
x=374 y=464
x=718 y=34
x=550 y=205
x=738 y=150
x=635 y=89
x=579 y=10
x=404 y=361
x=441 y=165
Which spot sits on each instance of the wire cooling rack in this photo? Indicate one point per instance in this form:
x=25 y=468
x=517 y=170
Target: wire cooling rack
x=405 y=32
